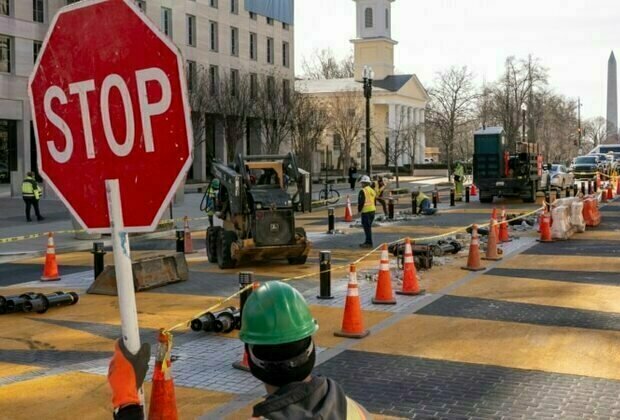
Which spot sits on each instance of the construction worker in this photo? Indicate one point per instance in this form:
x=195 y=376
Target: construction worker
x=424 y=205
x=366 y=205
x=211 y=196
x=277 y=329
x=31 y=193
x=459 y=178
x=379 y=186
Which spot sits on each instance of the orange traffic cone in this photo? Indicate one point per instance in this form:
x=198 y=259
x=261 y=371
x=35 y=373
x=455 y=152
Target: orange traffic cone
x=383 y=294
x=189 y=246
x=243 y=364
x=50 y=270
x=473 y=191
x=545 y=228
x=163 y=401
x=603 y=196
x=503 y=229
x=610 y=193
x=411 y=286
x=492 y=243
x=352 y=321
x=348 y=215
x=494 y=218
x=617 y=186
x=473 y=259
x=598 y=181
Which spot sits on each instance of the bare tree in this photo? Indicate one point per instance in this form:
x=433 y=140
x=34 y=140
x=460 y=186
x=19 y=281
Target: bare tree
x=346 y=121
x=273 y=105
x=595 y=130
x=199 y=98
x=402 y=143
x=310 y=120
x=323 y=64
x=451 y=107
x=231 y=100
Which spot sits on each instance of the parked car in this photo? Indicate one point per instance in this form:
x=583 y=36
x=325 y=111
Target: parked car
x=560 y=176
x=585 y=167
x=604 y=162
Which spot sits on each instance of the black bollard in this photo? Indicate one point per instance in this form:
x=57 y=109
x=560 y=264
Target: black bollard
x=467 y=192
x=246 y=278
x=414 y=202
x=98 y=257
x=391 y=208
x=583 y=188
x=548 y=200
x=452 y=204
x=435 y=193
x=595 y=186
x=330 y=220
x=325 y=266
x=180 y=241
x=590 y=187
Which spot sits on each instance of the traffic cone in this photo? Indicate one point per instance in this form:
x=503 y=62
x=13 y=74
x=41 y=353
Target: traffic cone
x=411 y=286
x=610 y=193
x=617 y=186
x=348 y=215
x=163 y=401
x=50 y=270
x=598 y=181
x=494 y=219
x=492 y=243
x=603 y=196
x=436 y=192
x=384 y=294
x=473 y=259
x=503 y=229
x=243 y=364
x=189 y=246
x=352 y=321
x=473 y=191
x=545 y=228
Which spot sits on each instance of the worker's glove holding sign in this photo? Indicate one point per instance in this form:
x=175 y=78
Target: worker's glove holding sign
x=126 y=374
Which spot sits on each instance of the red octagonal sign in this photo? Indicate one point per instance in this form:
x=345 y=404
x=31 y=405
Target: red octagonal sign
x=109 y=102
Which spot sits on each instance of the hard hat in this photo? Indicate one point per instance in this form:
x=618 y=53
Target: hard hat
x=365 y=179
x=215 y=183
x=276 y=313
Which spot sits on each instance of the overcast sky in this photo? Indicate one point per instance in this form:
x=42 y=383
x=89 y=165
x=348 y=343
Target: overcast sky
x=573 y=38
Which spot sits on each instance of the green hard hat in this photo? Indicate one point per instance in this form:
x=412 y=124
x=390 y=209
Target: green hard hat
x=276 y=313
x=215 y=183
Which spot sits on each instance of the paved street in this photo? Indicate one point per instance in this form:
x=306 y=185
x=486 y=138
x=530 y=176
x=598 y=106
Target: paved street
x=533 y=336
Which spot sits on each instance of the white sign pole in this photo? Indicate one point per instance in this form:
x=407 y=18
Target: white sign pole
x=122 y=266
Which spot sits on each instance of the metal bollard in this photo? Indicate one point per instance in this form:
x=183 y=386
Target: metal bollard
x=575 y=190
x=583 y=188
x=330 y=220
x=548 y=200
x=246 y=278
x=98 y=257
x=590 y=190
x=325 y=266
x=452 y=193
x=595 y=186
x=180 y=240
x=435 y=199
x=414 y=202
x=467 y=192
x=391 y=208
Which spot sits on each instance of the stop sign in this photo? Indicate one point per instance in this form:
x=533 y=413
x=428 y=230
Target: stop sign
x=109 y=102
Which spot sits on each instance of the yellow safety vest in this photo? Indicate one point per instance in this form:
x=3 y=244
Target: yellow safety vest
x=370 y=196
x=28 y=189
x=421 y=197
x=356 y=411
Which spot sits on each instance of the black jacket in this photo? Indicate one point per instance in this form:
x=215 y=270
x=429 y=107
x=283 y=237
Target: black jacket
x=320 y=398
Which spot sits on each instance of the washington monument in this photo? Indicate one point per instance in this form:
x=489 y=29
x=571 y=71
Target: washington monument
x=612 y=97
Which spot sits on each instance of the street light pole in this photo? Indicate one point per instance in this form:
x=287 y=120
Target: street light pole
x=368 y=75
x=524 y=110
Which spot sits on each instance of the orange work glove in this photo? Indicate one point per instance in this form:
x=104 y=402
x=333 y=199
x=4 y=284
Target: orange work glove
x=126 y=373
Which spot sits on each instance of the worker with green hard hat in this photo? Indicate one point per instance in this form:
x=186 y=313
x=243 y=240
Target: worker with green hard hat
x=277 y=329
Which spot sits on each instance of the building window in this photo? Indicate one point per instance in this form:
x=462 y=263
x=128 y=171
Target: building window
x=285 y=26
x=5 y=7
x=270 y=50
x=213 y=79
x=234 y=82
x=234 y=7
x=285 y=54
x=368 y=17
x=141 y=4
x=213 y=3
x=234 y=41
x=253 y=46
x=337 y=141
x=191 y=75
x=270 y=21
x=5 y=54
x=286 y=91
x=271 y=86
x=214 y=35
x=166 y=21
x=253 y=85
x=191 y=30
x=36 y=49
x=38 y=11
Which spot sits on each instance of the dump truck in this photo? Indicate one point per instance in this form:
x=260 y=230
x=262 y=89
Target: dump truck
x=500 y=172
x=257 y=201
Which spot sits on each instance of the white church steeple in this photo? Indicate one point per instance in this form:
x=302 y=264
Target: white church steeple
x=374 y=45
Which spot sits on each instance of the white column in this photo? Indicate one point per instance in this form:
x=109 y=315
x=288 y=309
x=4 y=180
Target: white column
x=422 y=138
x=409 y=126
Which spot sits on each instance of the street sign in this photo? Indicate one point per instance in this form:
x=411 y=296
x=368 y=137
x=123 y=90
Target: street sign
x=109 y=102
